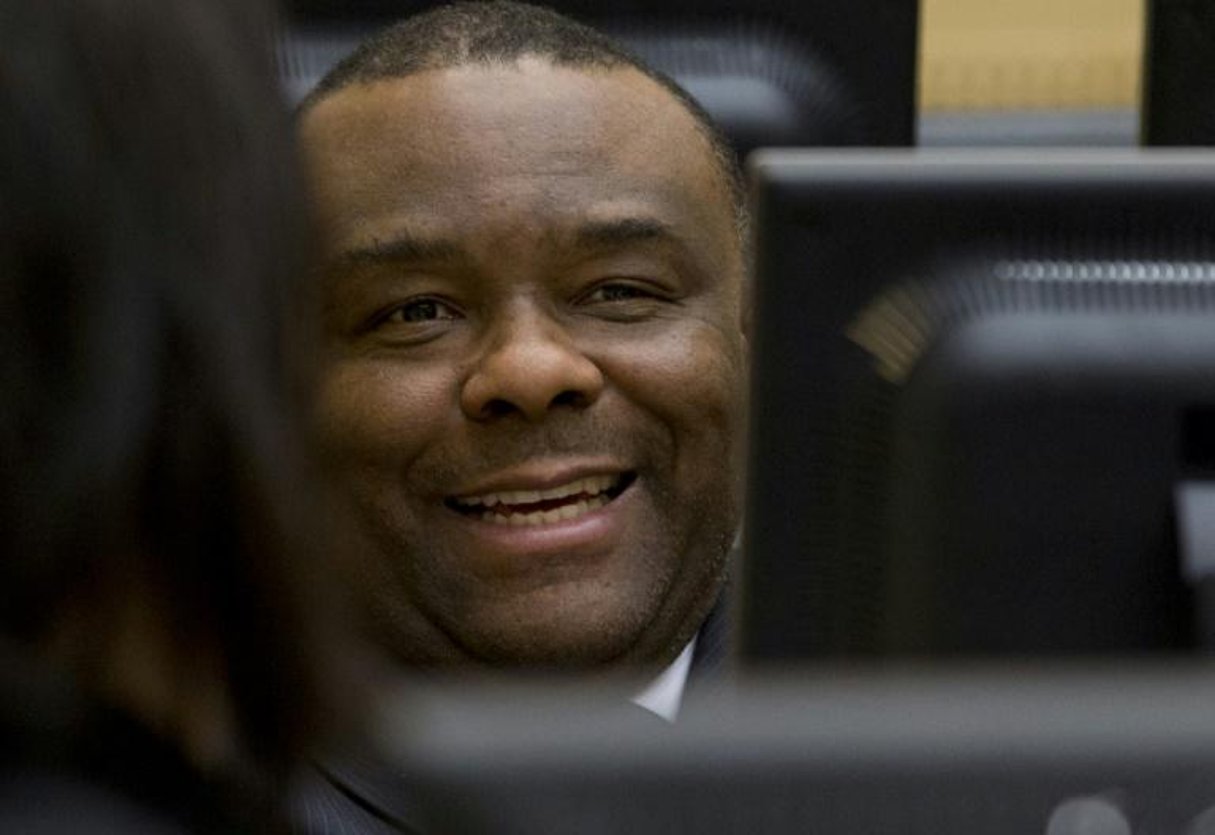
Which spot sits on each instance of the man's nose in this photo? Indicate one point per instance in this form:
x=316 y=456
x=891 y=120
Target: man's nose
x=530 y=366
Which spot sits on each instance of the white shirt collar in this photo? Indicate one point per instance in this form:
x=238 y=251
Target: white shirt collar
x=664 y=694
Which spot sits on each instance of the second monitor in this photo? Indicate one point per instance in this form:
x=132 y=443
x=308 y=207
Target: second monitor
x=984 y=404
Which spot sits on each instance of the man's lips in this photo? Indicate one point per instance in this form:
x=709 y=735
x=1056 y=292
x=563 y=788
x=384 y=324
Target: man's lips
x=532 y=505
x=543 y=514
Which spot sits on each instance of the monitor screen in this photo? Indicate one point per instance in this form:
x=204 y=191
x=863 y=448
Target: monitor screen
x=983 y=404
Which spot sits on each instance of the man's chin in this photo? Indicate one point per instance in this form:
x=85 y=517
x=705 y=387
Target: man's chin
x=555 y=647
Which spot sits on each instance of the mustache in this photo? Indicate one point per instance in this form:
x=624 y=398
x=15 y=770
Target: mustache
x=509 y=443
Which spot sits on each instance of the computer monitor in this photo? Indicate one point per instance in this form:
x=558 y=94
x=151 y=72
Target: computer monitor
x=983 y=404
x=770 y=72
x=1178 y=106
x=974 y=753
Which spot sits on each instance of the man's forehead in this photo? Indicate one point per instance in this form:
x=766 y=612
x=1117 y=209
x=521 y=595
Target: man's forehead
x=498 y=155
x=529 y=99
x=468 y=142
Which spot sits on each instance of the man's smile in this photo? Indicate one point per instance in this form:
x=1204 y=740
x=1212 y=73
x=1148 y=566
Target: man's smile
x=531 y=507
x=541 y=513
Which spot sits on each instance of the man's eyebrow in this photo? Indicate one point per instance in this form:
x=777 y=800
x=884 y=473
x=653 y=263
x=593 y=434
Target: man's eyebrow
x=622 y=232
x=402 y=247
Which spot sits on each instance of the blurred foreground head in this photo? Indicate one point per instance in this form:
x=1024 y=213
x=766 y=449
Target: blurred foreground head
x=150 y=246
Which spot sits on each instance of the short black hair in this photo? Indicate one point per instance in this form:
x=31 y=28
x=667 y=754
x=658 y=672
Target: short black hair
x=501 y=32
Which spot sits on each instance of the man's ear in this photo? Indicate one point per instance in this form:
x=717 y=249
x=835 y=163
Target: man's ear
x=746 y=306
x=746 y=300
x=746 y=311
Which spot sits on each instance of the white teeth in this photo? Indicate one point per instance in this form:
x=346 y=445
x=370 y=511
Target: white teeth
x=591 y=486
x=546 y=517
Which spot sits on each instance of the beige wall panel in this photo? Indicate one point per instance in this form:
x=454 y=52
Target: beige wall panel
x=1030 y=54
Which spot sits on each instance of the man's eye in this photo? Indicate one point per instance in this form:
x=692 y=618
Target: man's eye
x=618 y=293
x=420 y=310
x=626 y=301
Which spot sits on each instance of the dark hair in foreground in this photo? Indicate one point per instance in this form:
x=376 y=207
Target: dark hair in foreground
x=500 y=32
x=150 y=245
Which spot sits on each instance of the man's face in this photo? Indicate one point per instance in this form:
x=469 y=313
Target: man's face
x=531 y=389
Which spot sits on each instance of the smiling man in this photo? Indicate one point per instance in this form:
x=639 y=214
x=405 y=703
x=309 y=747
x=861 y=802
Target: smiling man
x=532 y=384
